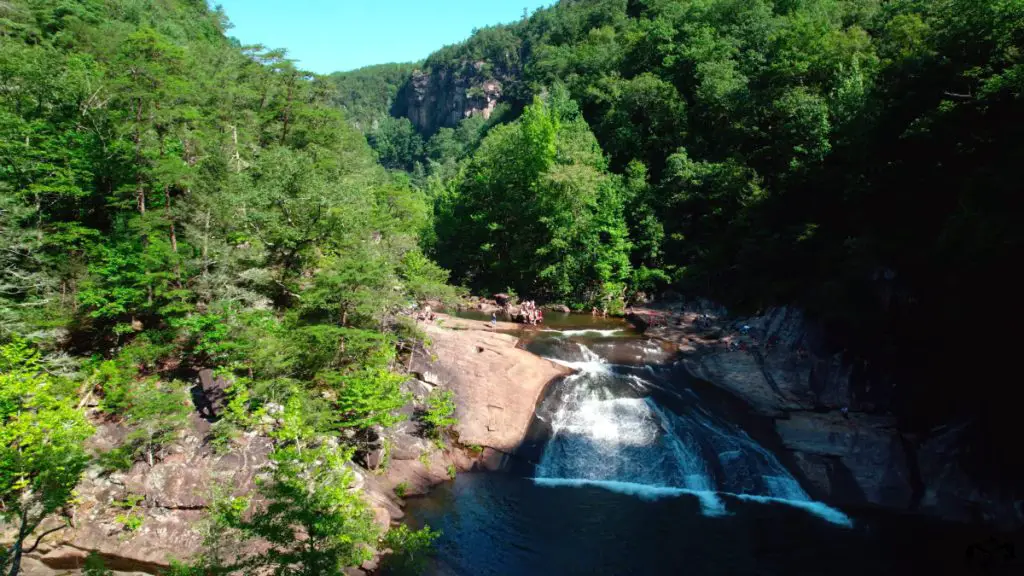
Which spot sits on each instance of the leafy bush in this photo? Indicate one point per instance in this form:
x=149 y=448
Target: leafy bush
x=157 y=412
x=401 y=489
x=439 y=416
x=410 y=549
x=42 y=436
x=367 y=397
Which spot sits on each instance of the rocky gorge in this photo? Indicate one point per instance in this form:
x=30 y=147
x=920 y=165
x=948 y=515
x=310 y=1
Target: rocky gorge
x=828 y=418
x=832 y=412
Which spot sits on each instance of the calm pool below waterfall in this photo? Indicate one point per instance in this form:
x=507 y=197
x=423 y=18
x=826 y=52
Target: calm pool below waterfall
x=633 y=468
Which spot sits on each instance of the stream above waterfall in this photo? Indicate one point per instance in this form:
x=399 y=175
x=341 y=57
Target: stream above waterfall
x=633 y=467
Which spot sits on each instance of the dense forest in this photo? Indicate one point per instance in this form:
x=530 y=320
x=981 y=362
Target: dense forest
x=171 y=200
x=853 y=157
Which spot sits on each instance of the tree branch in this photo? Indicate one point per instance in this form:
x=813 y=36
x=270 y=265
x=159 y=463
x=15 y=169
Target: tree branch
x=44 y=535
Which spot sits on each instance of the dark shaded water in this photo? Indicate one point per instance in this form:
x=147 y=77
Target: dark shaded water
x=631 y=468
x=502 y=524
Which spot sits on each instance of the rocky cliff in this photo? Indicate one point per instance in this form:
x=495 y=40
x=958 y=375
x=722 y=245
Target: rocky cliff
x=444 y=96
x=833 y=412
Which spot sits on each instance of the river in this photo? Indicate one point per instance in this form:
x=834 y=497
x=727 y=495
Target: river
x=633 y=467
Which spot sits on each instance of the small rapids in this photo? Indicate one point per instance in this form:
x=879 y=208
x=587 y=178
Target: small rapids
x=608 y=431
x=632 y=467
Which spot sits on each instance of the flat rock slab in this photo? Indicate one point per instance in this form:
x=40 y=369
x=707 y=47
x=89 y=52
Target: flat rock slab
x=496 y=385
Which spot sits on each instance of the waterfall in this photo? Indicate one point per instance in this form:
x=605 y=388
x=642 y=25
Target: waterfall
x=607 y=431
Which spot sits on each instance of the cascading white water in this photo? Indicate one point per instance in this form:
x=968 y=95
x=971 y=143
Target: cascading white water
x=607 y=431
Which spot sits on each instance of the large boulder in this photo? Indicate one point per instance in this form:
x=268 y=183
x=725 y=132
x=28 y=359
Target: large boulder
x=952 y=491
x=496 y=385
x=742 y=373
x=861 y=458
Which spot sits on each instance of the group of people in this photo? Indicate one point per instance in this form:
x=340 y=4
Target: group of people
x=427 y=314
x=603 y=312
x=531 y=314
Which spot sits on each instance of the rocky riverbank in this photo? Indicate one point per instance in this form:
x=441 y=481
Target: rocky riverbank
x=496 y=386
x=830 y=410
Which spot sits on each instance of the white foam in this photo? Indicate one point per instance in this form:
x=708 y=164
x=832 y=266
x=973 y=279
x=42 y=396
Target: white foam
x=711 y=503
x=618 y=422
x=585 y=366
x=584 y=332
x=591 y=363
x=823 y=511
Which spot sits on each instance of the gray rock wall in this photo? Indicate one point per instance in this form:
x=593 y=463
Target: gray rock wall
x=438 y=98
x=789 y=371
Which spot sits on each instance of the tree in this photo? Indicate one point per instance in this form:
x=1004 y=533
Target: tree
x=538 y=212
x=396 y=142
x=410 y=549
x=42 y=453
x=157 y=412
x=313 y=522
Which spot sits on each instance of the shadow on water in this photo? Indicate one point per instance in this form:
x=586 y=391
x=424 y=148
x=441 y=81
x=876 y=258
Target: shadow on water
x=503 y=524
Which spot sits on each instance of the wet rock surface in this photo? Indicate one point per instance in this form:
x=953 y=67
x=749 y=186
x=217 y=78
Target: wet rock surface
x=830 y=410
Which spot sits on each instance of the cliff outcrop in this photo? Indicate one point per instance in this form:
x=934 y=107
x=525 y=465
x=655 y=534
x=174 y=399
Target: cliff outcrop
x=444 y=96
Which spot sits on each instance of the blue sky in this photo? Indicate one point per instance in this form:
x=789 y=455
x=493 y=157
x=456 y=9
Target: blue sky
x=331 y=35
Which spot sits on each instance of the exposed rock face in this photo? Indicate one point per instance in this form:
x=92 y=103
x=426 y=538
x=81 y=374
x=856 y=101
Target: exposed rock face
x=443 y=97
x=497 y=385
x=783 y=366
x=862 y=458
x=175 y=492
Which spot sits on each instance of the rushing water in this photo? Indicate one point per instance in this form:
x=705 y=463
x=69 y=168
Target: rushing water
x=630 y=470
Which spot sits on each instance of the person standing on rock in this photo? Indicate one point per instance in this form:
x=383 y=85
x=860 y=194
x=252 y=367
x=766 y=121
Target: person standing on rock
x=494 y=320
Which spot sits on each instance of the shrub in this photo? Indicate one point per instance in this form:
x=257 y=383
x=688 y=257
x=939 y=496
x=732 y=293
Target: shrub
x=439 y=416
x=410 y=549
x=401 y=489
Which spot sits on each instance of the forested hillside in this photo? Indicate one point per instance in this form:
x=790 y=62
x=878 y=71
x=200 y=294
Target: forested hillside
x=170 y=201
x=855 y=157
x=368 y=94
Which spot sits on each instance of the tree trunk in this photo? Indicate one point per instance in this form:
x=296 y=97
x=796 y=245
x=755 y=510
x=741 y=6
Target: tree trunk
x=140 y=193
x=17 y=547
x=287 y=112
x=206 y=243
x=170 y=217
x=237 y=158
